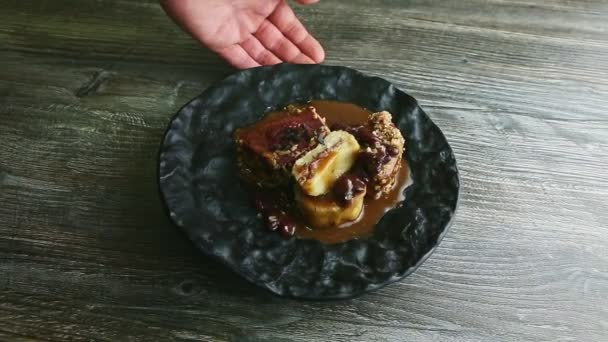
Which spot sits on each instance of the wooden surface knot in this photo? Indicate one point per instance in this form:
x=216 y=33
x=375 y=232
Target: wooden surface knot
x=94 y=83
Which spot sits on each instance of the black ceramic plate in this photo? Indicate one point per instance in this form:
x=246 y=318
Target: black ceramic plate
x=202 y=193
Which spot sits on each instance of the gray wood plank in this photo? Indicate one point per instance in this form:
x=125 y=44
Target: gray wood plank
x=519 y=88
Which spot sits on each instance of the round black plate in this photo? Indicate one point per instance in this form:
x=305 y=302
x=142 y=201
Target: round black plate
x=202 y=193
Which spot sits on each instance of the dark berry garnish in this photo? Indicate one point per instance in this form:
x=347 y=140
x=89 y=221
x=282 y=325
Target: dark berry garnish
x=275 y=212
x=383 y=155
x=293 y=134
x=365 y=137
x=272 y=222
x=347 y=187
x=392 y=151
x=361 y=174
x=368 y=160
x=287 y=227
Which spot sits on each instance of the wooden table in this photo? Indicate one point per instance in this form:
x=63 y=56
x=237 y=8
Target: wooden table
x=520 y=89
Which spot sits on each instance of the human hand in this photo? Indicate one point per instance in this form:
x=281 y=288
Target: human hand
x=248 y=33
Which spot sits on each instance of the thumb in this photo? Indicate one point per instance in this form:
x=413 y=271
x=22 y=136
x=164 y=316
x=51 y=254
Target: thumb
x=307 y=2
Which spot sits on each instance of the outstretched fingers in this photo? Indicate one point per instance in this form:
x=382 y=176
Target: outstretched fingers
x=274 y=40
x=286 y=22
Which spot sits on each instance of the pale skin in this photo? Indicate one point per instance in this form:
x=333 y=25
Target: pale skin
x=248 y=33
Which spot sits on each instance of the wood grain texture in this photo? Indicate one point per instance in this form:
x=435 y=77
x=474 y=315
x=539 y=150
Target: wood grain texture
x=520 y=88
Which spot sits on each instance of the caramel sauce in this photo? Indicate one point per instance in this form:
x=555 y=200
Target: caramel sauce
x=350 y=114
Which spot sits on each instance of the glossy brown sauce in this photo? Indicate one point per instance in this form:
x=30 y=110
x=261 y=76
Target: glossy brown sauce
x=373 y=210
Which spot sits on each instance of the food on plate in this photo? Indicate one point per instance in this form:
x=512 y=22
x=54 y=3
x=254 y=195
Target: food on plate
x=267 y=150
x=382 y=147
x=318 y=169
x=344 y=204
x=310 y=178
